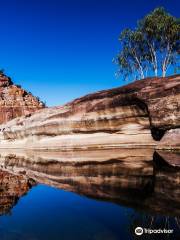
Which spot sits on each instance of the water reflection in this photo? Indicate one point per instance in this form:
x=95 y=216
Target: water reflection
x=127 y=177
x=12 y=187
x=102 y=174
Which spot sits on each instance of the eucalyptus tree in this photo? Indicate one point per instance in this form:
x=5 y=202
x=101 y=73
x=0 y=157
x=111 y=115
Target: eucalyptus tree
x=132 y=59
x=152 y=47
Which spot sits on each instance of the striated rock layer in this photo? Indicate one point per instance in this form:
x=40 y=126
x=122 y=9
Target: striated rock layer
x=134 y=115
x=15 y=101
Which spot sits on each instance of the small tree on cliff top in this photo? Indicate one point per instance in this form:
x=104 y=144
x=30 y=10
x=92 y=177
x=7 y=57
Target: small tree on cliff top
x=151 y=48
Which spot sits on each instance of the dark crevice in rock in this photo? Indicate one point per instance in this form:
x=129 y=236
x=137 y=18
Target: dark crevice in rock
x=142 y=105
x=156 y=133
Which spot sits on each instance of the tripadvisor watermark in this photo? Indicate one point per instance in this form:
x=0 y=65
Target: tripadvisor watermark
x=139 y=231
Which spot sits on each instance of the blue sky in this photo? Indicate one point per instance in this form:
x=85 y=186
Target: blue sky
x=62 y=49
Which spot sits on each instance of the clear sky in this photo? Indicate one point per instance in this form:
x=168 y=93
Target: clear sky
x=62 y=49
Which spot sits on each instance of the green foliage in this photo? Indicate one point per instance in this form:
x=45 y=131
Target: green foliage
x=153 y=46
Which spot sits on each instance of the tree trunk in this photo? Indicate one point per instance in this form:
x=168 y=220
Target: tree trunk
x=163 y=73
x=155 y=71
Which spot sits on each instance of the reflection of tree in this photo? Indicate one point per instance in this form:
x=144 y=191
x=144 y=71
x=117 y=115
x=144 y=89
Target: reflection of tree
x=177 y=221
x=149 y=221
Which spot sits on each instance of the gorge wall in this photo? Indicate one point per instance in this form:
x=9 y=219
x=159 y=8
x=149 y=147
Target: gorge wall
x=15 y=101
x=137 y=114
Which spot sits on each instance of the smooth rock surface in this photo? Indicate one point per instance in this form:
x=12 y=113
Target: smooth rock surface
x=134 y=115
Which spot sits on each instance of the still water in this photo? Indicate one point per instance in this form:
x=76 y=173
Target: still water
x=94 y=196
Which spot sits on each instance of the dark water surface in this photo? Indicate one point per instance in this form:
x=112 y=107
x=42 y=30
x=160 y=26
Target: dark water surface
x=49 y=213
x=94 y=196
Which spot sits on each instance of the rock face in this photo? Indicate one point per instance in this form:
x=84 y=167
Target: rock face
x=171 y=140
x=14 y=101
x=130 y=116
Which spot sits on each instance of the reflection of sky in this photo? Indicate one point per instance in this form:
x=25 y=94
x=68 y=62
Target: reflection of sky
x=46 y=213
x=61 y=49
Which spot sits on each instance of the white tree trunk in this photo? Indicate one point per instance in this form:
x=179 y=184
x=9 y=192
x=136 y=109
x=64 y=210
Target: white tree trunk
x=154 y=59
x=163 y=72
x=166 y=61
x=139 y=65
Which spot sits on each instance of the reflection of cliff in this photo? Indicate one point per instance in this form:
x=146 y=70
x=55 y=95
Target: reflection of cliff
x=80 y=171
x=12 y=187
x=171 y=159
x=123 y=176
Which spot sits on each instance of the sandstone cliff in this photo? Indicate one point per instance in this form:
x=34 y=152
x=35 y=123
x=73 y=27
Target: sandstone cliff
x=138 y=114
x=15 y=101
